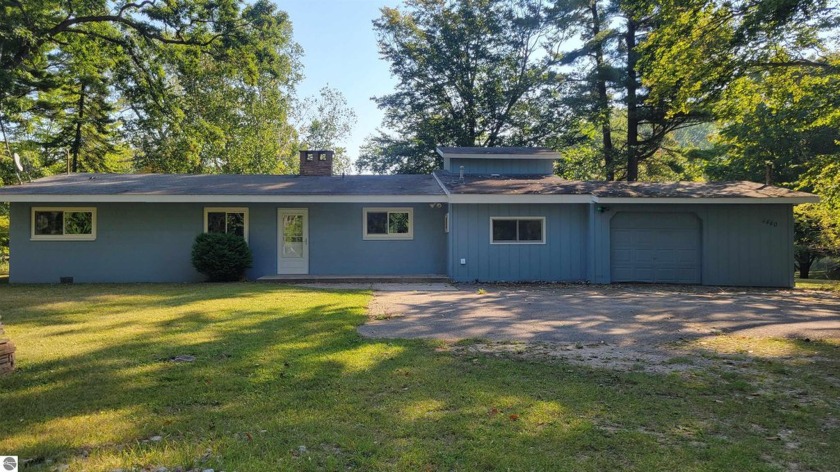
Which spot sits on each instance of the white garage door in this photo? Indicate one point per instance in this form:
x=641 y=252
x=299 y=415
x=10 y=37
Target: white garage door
x=655 y=247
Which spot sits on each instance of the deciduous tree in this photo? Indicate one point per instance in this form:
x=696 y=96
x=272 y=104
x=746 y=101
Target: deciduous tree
x=324 y=122
x=469 y=73
x=199 y=86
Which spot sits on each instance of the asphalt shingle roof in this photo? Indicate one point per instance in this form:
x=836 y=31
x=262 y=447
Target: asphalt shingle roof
x=216 y=184
x=552 y=185
x=381 y=185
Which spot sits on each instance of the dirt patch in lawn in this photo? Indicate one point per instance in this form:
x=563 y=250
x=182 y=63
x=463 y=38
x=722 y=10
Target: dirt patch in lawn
x=598 y=355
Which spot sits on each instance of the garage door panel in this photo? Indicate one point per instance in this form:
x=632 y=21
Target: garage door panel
x=684 y=256
x=686 y=276
x=643 y=254
x=655 y=247
x=623 y=255
x=666 y=274
x=644 y=273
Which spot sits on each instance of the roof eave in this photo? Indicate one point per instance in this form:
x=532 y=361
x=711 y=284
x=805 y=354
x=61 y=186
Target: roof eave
x=707 y=200
x=495 y=198
x=449 y=197
x=153 y=198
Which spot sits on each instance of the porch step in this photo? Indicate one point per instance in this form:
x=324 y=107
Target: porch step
x=356 y=279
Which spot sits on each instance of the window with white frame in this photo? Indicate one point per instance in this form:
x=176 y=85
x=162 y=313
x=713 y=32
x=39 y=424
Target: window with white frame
x=517 y=230
x=226 y=220
x=388 y=223
x=63 y=223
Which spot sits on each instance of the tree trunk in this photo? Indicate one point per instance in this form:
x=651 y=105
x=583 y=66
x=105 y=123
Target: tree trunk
x=77 y=140
x=804 y=270
x=804 y=260
x=632 y=104
x=604 y=111
x=9 y=148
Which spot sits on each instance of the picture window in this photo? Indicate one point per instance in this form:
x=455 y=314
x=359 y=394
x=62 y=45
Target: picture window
x=64 y=224
x=517 y=230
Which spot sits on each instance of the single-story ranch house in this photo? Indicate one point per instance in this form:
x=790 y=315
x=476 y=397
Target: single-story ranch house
x=491 y=214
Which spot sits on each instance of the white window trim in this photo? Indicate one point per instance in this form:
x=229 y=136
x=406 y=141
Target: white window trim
x=396 y=236
x=64 y=237
x=494 y=218
x=208 y=210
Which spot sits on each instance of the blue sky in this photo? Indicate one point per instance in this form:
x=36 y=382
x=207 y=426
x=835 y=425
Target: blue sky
x=340 y=51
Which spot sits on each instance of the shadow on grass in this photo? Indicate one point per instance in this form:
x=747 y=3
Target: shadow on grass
x=279 y=368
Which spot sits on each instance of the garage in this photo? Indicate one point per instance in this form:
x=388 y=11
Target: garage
x=655 y=247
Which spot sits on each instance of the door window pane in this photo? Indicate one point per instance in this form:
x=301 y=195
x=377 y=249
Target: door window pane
x=293 y=236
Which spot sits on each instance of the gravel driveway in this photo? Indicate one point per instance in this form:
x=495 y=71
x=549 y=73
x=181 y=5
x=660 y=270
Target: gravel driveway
x=615 y=314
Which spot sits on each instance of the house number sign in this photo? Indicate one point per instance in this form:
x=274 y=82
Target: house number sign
x=769 y=222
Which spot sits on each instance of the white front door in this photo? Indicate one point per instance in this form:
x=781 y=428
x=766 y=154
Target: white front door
x=292 y=241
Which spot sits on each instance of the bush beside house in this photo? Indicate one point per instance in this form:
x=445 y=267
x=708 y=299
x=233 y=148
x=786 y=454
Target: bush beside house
x=4 y=243
x=221 y=257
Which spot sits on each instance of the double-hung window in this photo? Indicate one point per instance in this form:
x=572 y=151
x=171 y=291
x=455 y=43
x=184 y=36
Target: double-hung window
x=388 y=223
x=226 y=220
x=61 y=223
x=517 y=230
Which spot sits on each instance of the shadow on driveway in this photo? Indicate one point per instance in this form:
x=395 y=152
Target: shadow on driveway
x=614 y=314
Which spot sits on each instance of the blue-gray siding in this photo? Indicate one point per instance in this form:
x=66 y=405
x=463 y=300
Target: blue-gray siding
x=337 y=247
x=134 y=243
x=746 y=245
x=749 y=245
x=500 y=166
x=151 y=243
x=562 y=258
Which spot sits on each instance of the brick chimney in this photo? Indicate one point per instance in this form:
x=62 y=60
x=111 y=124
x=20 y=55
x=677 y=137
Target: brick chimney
x=316 y=162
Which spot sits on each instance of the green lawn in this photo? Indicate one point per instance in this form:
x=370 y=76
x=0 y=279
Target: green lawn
x=281 y=380
x=818 y=284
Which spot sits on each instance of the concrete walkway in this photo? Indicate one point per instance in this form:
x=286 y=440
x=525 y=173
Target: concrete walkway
x=616 y=314
x=384 y=286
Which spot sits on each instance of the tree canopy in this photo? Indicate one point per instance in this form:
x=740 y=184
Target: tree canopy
x=176 y=86
x=324 y=122
x=469 y=73
x=612 y=82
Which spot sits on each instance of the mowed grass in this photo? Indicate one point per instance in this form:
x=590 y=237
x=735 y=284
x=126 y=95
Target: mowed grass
x=281 y=380
x=818 y=284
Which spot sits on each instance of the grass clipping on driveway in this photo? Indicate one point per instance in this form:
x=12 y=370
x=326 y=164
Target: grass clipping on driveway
x=248 y=377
